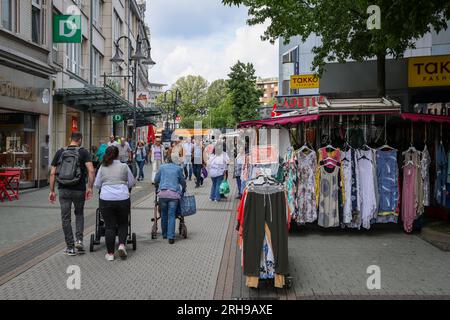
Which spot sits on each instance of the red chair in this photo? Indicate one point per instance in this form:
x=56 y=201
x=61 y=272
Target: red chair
x=13 y=182
x=2 y=190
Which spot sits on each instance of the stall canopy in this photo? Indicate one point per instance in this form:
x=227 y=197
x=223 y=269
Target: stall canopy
x=329 y=107
x=418 y=117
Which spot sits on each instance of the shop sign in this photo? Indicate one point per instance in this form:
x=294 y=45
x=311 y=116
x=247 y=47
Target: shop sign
x=117 y=118
x=74 y=124
x=301 y=102
x=7 y=89
x=304 y=81
x=67 y=28
x=430 y=71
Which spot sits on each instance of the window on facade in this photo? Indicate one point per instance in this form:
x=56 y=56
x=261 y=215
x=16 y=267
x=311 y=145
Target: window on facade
x=73 y=55
x=6 y=8
x=98 y=59
x=37 y=21
x=117 y=28
x=97 y=11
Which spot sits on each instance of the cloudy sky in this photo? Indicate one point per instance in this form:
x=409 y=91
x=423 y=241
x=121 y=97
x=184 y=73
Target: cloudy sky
x=204 y=37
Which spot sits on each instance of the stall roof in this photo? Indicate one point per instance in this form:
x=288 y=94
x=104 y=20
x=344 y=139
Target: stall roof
x=330 y=107
x=418 y=117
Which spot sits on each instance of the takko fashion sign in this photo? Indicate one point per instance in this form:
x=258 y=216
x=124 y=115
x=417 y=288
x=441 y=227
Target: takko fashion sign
x=304 y=81
x=430 y=71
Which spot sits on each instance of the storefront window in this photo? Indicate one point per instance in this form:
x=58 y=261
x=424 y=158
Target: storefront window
x=17 y=144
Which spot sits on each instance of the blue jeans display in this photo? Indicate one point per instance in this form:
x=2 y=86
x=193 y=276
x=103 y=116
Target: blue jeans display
x=168 y=213
x=387 y=171
x=215 y=188
x=141 y=168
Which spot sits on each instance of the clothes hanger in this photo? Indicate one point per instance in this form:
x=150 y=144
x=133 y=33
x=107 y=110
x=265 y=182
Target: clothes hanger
x=365 y=146
x=386 y=146
x=411 y=146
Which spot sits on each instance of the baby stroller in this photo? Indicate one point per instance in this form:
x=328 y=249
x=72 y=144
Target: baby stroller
x=100 y=231
x=157 y=216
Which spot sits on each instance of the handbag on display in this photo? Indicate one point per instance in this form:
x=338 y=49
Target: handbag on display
x=188 y=206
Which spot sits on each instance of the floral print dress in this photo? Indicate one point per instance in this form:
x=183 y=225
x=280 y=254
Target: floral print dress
x=306 y=195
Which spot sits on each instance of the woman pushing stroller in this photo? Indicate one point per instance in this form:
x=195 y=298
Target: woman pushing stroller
x=115 y=180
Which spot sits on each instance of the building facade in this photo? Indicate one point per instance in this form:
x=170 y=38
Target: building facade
x=26 y=76
x=358 y=79
x=269 y=87
x=50 y=88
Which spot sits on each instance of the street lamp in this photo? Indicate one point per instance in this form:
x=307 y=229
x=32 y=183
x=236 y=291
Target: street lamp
x=138 y=57
x=174 y=103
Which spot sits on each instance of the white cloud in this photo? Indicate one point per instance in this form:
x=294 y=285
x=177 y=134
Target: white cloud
x=213 y=55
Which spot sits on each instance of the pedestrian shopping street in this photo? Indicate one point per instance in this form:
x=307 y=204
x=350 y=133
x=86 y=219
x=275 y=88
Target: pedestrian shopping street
x=206 y=265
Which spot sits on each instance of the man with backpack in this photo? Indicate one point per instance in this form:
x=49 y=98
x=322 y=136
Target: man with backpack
x=70 y=168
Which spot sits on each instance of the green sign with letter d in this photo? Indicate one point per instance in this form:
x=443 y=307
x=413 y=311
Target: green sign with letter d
x=66 y=28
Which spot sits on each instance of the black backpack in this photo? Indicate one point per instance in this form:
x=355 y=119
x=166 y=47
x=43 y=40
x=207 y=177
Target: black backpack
x=68 y=169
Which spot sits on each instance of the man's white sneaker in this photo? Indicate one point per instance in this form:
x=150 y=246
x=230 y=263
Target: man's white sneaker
x=122 y=251
x=109 y=257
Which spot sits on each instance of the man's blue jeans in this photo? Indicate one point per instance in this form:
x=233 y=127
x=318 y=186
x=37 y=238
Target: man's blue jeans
x=168 y=213
x=239 y=185
x=215 y=188
x=187 y=167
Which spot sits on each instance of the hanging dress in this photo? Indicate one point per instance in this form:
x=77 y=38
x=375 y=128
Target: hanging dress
x=441 y=175
x=425 y=162
x=368 y=199
x=351 y=210
x=388 y=188
x=290 y=168
x=329 y=197
x=306 y=195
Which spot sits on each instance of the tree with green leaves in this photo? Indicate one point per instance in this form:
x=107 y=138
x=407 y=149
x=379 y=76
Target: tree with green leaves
x=244 y=92
x=217 y=93
x=342 y=27
x=222 y=115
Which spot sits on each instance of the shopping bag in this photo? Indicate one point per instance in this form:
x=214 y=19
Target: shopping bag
x=204 y=173
x=133 y=168
x=225 y=187
x=188 y=206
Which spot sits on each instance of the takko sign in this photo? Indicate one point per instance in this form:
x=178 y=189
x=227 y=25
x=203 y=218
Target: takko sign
x=430 y=71
x=300 y=102
x=304 y=81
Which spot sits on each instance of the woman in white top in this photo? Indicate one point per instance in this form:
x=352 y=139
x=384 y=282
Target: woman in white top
x=218 y=165
x=114 y=179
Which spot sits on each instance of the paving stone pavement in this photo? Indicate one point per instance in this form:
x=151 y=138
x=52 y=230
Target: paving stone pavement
x=335 y=263
x=156 y=270
x=32 y=215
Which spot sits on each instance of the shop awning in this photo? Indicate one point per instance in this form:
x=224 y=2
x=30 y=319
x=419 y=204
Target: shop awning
x=282 y=121
x=97 y=99
x=418 y=117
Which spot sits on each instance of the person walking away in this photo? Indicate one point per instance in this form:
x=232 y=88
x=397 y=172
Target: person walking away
x=238 y=164
x=218 y=163
x=125 y=152
x=114 y=180
x=140 y=153
x=187 y=161
x=131 y=143
x=171 y=186
x=70 y=167
x=198 y=162
x=156 y=157
x=112 y=141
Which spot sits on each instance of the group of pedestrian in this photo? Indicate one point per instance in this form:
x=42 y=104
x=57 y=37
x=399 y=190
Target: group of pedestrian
x=73 y=168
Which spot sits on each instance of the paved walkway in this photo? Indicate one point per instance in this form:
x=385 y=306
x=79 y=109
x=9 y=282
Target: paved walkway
x=156 y=270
